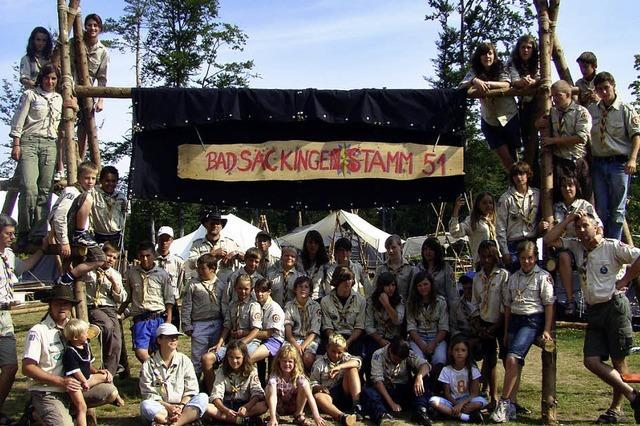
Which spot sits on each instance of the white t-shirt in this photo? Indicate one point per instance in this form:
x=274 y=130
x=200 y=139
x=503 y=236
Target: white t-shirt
x=458 y=380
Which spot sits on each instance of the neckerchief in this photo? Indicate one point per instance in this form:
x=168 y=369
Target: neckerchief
x=530 y=214
x=304 y=317
x=486 y=285
x=343 y=310
x=519 y=290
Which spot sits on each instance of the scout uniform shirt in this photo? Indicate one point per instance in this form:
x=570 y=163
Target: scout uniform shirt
x=377 y=320
x=243 y=315
x=202 y=246
x=97 y=60
x=517 y=216
x=561 y=211
x=484 y=231
x=429 y=319
x=585 y=87
x=403 y=274
x=100 y=291
x=495 y=111
x=460 y=317
x=45 y=345
x=282 y=283
x=318 y=275
x=574 y=120
x=229 y=294
x=169 y=384
x=108 y=212
x=487 y=293
x=361 y=281
x=527 y=294
x=444 y=282
x=273 y=319
x=235 y=387
x=303 y=319
x=600 y=266
x=38 y=115
x=613 y=128
x=323 y=365
x=201 y=302
x=59 y=216
x=8 y=279
x=30 y=69
x=148 y=291
x=174 y=265
x=385 y=371
x=267 y=263
x=343 y=318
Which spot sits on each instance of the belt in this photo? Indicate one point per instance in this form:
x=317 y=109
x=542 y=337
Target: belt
x=148 y=316
x=612 y=159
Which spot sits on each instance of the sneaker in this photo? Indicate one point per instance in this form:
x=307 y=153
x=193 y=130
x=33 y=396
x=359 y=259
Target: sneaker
x=570 y=308
x=512 y=412
x=83 y=238
x=65 y=279
x=348 y=420
x=58 y=175
x=499 y=415
x=385 y=420
x=422 y=416
x=357 y=410
x=476 y=417
x=635 y=404
x=522 y=410
x=611 y=417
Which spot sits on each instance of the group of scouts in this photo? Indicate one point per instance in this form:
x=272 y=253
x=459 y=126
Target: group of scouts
x=345 y=345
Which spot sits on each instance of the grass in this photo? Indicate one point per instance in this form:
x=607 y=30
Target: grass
x=581 y=396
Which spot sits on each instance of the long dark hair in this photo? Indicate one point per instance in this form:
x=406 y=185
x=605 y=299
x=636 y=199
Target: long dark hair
x=493 y=74
x=531 y=65
x=476 y=213
x=384 y=280
x=321 y=257
x=247 y=365
x=433 y=244
x=468 y=363
x=31 y=44
x=415 y=299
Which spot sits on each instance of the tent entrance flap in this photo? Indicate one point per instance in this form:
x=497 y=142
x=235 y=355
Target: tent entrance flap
x=304 y=149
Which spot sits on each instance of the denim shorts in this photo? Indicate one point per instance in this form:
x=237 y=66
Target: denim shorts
x=523 y=332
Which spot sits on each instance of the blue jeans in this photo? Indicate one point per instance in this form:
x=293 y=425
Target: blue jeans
x=610 y=185
x=523 y=332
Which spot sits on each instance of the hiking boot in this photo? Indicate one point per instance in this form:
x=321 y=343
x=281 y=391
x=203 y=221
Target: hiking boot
x=348 y=420
x=385 y=420
x=635 y=404
x=611 y=417
x=476 y=417
x=83 y=238
x=422 y=416
x=500 y=414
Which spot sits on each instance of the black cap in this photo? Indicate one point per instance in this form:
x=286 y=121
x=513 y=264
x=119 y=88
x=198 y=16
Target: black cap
x=212 y=215
x=61 y=292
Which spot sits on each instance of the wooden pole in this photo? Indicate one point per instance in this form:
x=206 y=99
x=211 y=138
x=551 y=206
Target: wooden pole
x=557 y=52
x=549 y=355
x=80 y=291
x=68 y=114
x=88 y=124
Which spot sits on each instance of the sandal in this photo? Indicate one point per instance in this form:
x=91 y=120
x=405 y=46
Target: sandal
x=301 y=420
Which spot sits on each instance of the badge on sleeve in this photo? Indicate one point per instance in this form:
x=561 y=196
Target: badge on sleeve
x=257 y=316
x=275 y=318
x=635 y=119
x=604 y=270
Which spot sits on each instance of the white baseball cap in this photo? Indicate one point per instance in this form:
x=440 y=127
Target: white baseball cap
x=165 y=230
x=167 y=329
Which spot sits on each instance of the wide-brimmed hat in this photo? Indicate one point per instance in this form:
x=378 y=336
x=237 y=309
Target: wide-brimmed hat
x=212 y=215
x=167 y=329
x=61 y=292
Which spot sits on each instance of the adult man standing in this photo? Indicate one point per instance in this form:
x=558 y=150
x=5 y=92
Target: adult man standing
x=173 y=264
x=42 y=363
x=615 y=141
x=224 y=249
x=609 y=332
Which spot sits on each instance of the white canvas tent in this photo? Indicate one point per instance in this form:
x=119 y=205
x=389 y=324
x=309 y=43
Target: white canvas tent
x=367 y=232
x=237 y=229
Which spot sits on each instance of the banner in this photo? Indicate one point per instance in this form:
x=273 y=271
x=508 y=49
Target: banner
x=304 y=160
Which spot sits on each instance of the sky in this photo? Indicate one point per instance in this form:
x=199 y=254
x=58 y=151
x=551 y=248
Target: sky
x=333 y=44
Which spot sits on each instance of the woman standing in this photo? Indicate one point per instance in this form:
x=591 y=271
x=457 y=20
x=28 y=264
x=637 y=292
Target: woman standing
x=39 y=49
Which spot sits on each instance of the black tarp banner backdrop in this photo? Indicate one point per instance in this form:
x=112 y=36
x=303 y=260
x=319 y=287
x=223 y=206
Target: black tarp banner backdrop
x=311 y=149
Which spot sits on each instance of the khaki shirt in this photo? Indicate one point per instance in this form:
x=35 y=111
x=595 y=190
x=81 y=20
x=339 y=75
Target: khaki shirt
x=174 y=265
x=602 y=266
x=517 y=216
x=385 y=371
x=201 y=302
x=148 y=291
x=561 y=211
x=229 y=294
x=460 y=319
x=59 y=215
x=267 y=263
x=486 y=293
x=341 y=318
x=303 y=320
x=235 y=387
x=528 y=294
x=243 y=315
x=575 y=120
x=100 y=289
x=10 y=268
x=108 y=212
x=484 y=231
x=622 y=123
x=378 y=321
x=202 y=246
x=585 y=88
x=361 y=281
x=403 y=274
x=444 y=282
x=45 y=345
x=323 y=365
x=282 y=284
x=273 y=319
x=98 y=61
x=318 y=275
x=169 y=384
x=429 y=319
x=29 y=69
x=495 y=111
x=38 y=115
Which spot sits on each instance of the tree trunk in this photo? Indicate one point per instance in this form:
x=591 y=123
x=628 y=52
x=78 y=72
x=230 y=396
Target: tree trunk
x=549 y=357
x=68 y=114
x=88 y=123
